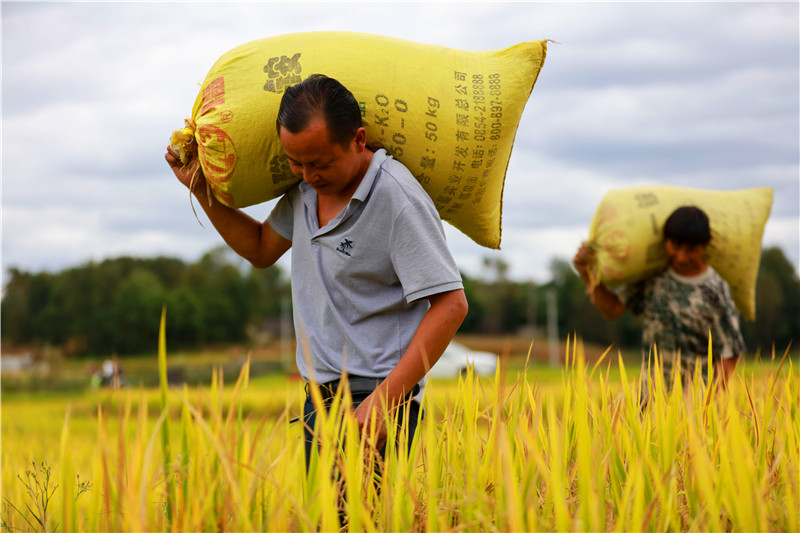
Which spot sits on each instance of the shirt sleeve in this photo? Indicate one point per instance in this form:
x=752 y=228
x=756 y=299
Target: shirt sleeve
x=281 y=219
x=727 y=334
x=633 y=298
x=419 y=253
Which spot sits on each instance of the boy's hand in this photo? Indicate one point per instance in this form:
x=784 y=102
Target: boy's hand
x=583 y=259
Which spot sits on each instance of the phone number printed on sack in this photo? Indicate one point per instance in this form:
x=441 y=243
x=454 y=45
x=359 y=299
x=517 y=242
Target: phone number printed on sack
x=477 y=134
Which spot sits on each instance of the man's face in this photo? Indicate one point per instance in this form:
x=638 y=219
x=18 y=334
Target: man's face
x=328 y=167
x=686 y=259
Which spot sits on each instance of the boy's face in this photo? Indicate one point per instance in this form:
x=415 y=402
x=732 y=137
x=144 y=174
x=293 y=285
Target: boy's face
x=686 y=259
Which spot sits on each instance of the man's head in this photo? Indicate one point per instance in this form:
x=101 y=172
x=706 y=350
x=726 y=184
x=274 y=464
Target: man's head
x=320 y=96
x=687 y=232
x=319 y=125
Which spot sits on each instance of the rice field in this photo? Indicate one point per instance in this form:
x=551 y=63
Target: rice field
x=515 y=453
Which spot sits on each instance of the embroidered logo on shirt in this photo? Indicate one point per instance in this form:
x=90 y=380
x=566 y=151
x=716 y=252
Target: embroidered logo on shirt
x=344 y=246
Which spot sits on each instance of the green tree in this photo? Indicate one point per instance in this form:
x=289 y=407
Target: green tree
x=16 y=308
x=227 y=303
x=476 y=313
x=496 y=303
x=114 y=306
x=577 y=314
x=139 y=301
x=777 y=305
x=185 y=318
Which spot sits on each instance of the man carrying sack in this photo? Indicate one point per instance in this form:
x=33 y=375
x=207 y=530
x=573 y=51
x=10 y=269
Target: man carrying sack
x=377 y=295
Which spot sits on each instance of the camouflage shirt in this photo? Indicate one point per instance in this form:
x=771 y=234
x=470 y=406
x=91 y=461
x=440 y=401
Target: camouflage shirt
x=677 y=314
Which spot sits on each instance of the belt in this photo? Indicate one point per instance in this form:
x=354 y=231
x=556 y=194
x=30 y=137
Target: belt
x=358 y=385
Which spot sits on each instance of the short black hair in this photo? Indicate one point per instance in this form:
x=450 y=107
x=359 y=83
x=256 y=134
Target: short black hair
x=688 y=225
x=320 y=96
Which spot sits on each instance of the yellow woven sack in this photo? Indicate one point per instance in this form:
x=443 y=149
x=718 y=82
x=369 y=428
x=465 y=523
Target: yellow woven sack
x=626 y=232
x=449 y=115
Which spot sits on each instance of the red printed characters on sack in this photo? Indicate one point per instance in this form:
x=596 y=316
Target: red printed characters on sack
x=213 y=96
x=618 y=246
x=217 y=153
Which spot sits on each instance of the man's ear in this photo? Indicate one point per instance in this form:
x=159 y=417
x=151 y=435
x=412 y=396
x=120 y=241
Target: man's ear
x=360 y=139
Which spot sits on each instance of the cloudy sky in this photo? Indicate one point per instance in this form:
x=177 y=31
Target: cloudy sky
x=688 y=94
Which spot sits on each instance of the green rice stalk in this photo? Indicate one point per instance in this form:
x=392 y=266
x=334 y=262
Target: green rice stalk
x=69 y=518
x=165 y=447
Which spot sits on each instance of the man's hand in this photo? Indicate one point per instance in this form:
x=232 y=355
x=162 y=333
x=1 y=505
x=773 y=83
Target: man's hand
x=363 y=414
x=255 y=241
x=183 y=172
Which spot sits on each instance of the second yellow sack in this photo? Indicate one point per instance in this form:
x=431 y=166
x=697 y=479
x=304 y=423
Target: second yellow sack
x=626 y=232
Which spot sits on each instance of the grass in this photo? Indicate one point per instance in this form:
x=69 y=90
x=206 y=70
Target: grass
x=535 y=448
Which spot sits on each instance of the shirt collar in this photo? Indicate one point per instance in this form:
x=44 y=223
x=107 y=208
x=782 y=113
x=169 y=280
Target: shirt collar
x=693 y=280
x=363 y=189
x=309 y=195
x=369 y=177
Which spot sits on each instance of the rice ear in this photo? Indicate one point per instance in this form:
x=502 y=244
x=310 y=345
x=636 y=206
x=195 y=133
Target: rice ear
x=183 y=142
x=185 y=145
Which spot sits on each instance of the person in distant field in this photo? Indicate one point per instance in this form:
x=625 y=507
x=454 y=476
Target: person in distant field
x=108 y=375
x=377 y=295
x=680 y=306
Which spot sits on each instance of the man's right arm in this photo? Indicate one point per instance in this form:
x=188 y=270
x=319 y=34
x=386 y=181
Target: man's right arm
x=605 y=300
x=253 y=240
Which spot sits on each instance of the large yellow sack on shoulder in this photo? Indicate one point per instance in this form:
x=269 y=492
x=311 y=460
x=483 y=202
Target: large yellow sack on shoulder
x=449 y=115
x=626 y=233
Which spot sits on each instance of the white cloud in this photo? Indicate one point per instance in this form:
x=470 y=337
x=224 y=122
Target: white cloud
x=692 y=94
x=30 y=235
x=784 y=233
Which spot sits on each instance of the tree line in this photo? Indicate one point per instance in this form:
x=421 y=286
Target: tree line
x=113 y=306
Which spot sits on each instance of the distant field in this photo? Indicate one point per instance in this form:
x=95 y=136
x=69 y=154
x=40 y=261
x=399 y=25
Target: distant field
x=196 y=367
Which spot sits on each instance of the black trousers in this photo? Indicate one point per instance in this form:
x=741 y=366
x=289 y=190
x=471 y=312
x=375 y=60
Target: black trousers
x=310 y=416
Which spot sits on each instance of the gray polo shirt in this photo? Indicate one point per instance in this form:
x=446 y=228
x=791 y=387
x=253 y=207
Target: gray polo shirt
x=360 y=284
